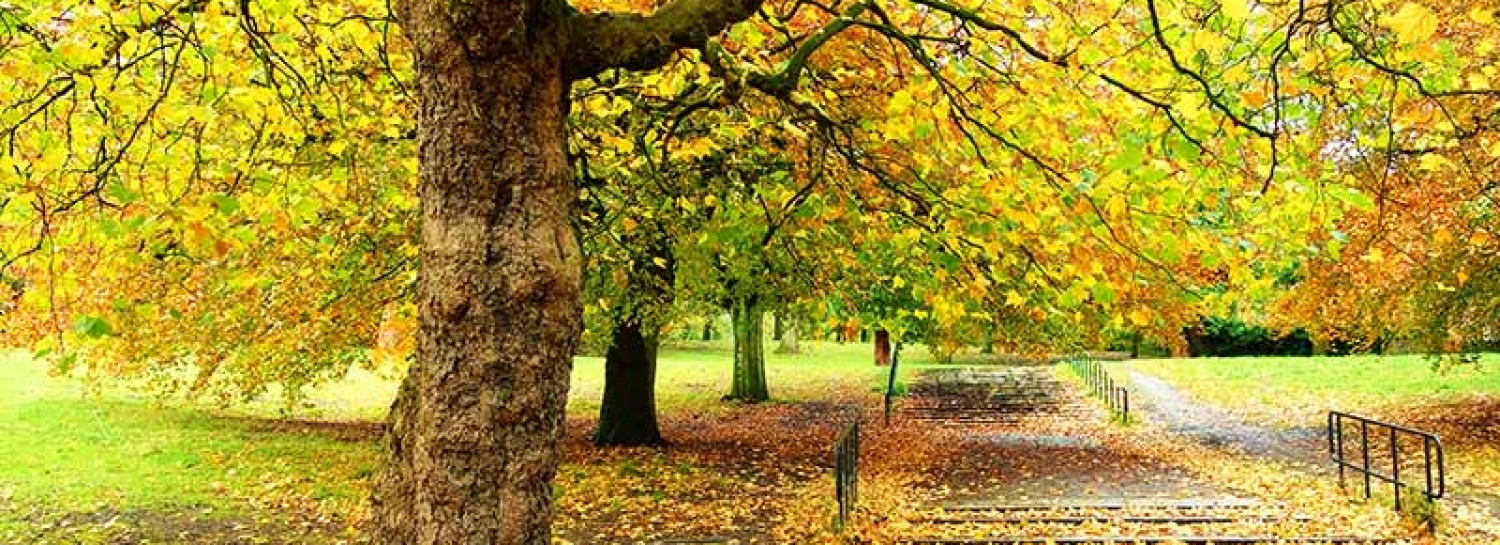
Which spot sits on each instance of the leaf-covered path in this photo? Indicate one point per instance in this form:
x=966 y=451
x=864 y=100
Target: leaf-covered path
x=1025 y=434
x=1060 y=471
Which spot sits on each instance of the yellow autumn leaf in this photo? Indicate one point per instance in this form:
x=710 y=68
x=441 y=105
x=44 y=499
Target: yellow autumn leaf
x=629 y=224
x=1236 y=9
x=1480 y=238
x=1117 y=206
x=1412 y=23
x=624 y=145
x=1012 y=298
x=1482 y=15
x=1139 y=317
x=1432 y=162
x=1442 y=237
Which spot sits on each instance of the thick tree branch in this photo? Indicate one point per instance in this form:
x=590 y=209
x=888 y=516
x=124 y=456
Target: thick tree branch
x=599 y=42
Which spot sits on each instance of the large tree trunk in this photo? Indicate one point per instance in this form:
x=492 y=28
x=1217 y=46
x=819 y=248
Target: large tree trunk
x=788 y=336
x=882 y=347
x=472 y=445
x=475 y=426
x=627 y=417
x=749 y=381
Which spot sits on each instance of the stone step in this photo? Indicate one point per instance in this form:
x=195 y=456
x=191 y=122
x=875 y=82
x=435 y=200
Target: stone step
x=1144 y=540
x=1112 y=504
x=993 y=407
x=1111 y=518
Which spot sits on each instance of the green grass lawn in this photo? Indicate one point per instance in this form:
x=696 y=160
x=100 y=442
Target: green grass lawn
x=1300 y=391
x=64 y=449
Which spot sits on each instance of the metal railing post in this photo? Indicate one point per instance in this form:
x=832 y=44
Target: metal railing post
x=1396 y=469
x=1340 y=438
x=1364 y=444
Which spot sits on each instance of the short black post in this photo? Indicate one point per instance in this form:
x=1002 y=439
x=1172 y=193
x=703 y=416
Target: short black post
x=890 y=382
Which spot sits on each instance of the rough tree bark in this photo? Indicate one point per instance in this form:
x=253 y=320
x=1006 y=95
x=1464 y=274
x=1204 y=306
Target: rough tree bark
x=472 y=446
x=882 y=347
x=749 y=381
x=474 y=429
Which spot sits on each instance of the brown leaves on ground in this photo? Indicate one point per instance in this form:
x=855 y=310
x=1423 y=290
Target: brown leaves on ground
x=763 y=474
x=753 y=473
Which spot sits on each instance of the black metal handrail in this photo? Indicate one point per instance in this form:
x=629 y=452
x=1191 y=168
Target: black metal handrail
x=846 y=471
x=1103 y=386
x=1433 y=483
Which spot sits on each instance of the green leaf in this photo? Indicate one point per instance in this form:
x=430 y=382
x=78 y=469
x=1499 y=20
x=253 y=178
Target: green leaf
x=92 y=327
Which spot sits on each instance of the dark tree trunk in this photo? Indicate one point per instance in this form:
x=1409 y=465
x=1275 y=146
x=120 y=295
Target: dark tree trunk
x=864 y=335
x=472 y=446
x=627 y=417
x=1135 y=344
x=777 y=327
x=708 y=330
x=749 y=381
x=882 y=347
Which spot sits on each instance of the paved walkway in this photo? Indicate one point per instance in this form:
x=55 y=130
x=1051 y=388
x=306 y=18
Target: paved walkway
x=1211 y=426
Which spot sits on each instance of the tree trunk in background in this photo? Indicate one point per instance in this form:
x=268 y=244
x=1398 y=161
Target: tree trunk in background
x=627 y=416
x=1135 y=344
x=864 y=335
x=788 y=337
x=882 y=347
x=708 y=330
x=472 y=446
x=749 y=381
x=777 y=327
